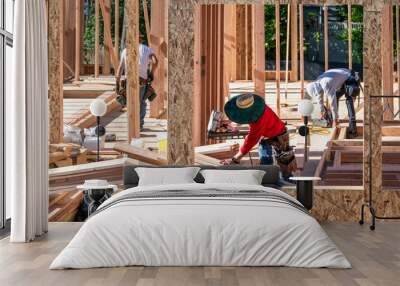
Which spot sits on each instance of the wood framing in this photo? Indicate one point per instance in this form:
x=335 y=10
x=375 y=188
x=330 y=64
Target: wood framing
x=78 y=8
x=259 y=50
x=132 y=47
x=56 y=77
x=105 y=6
x=387 y=61
x=301 y=34
x=278 y=56
x=372 y=170
x=97 y=40
x=350 y=34
x=326 y=37
x=294 y=40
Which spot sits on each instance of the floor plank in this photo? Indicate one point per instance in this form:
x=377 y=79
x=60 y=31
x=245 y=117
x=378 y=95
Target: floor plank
x=375 y=257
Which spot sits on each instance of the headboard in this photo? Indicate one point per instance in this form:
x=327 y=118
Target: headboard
x=270 y=179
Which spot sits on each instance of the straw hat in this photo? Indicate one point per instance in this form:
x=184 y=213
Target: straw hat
x=245 y=108
x=97 y=185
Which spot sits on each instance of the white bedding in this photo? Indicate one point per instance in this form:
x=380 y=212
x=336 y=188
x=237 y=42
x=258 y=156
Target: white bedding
x=200 y=231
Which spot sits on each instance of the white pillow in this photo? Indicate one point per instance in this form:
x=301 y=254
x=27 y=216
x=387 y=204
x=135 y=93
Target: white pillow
x=247 y=177
x=166 y=176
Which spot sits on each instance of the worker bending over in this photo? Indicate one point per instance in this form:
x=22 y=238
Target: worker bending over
x=147 y=65
x=335 y=83
x=265 y=128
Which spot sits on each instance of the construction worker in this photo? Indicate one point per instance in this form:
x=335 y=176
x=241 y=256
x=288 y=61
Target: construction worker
x=335 y=83
x=147 y=65
x=265 y=128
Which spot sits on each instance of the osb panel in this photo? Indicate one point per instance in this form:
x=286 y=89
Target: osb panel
x=344 y=205
x=55 y=27
x=132 y=44
x=373 y=112
x=180 y=81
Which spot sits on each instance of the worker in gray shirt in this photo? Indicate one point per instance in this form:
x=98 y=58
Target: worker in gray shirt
x=333 y=84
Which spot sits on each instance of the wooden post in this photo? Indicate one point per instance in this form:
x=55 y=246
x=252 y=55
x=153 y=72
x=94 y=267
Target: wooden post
x=197 y=94
x=387 y=60
x=96 y=40
x=180 y=82
x=372 y=177
x=301 y=25
x=78 y=9
x=287 y=49
x=294 y=41
x=55 y=51
x=107 y=27
x=278 y=56
x=146 y=19
x=326 y=36
x=240 y=41
x=116 y=30
x=350 y=35
x=132 y=57
x=259 y=49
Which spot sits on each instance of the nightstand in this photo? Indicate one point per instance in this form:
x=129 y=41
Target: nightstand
x=304 y=190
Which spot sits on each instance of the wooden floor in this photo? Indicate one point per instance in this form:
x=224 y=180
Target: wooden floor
x=375 y=257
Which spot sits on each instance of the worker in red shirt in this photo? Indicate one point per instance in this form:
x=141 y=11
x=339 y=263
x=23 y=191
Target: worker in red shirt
x=265 y=128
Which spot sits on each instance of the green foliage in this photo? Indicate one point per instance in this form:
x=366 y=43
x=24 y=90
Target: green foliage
x=90 y=25
x=269 y=27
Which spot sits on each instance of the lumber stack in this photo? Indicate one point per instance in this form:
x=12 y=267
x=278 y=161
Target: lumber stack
x=66 y=154
x=218 y=151
x=63 y=206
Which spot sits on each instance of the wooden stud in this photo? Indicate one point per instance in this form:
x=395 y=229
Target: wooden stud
x=398 y=50
x=116 y=31
x=132 y=57
x=294 y=41
x=278 y=57
x=249 y=42
x=55 y=50
x=105 y=6
x=350 y=34
x=387 y=61
x=240 y=41
x=259 y=49
x=97 y=40
x=197 y=95
x=78 y=9
x=287 y=48
x=106 y=12
x=146 y=19
x=301 y=28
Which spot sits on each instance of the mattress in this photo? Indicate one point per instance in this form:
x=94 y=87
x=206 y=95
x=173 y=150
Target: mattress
x=201 y=225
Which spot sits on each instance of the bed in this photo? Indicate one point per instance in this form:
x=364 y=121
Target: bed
x=197 y=224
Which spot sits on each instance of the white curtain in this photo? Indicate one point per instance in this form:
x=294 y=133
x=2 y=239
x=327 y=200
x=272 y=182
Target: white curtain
x=26 y=126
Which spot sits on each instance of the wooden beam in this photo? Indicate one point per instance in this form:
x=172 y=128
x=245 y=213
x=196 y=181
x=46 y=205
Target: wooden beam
x=294 y=41
x=140 y=154
x=132 y=57
x=387 y=61
x=180 y=82
x=372 y=24
x=55 y=51
x=259 y=49
x=240 y=42
x=197 y=92
x=78 y=9
x=350 y=34
x=326 y=38
x=287 y=48
x=105 y=10
x=146 y=19
x=278 y=56
x=116 y=30
x=97 y=40
x=301 y=31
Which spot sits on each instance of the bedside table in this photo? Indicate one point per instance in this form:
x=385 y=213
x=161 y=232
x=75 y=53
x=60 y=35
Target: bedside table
x=304 y=190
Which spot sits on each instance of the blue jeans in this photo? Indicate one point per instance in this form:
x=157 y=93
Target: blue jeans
x=265 y=153
x=143 y=106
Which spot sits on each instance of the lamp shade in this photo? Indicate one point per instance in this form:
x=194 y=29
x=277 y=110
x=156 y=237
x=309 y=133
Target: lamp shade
x=98 y=107
x=305 y=107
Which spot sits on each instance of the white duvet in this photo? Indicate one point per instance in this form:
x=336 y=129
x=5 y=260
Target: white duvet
x=200 y=231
